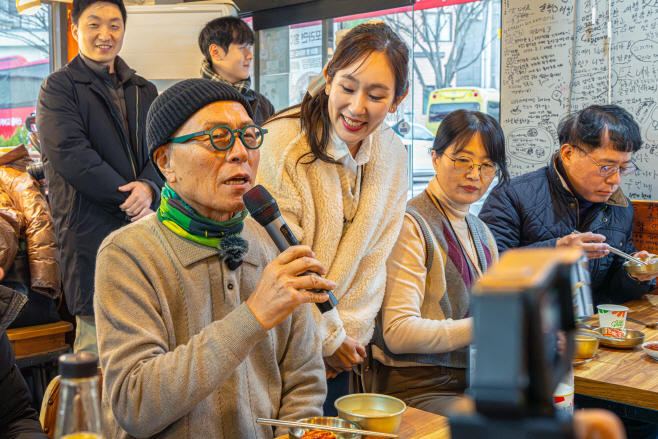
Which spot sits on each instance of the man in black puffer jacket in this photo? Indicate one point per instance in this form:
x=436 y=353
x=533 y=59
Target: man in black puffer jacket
x=578 y=191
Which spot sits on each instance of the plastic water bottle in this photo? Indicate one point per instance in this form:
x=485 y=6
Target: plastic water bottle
x=78 y=414
x=563 y=395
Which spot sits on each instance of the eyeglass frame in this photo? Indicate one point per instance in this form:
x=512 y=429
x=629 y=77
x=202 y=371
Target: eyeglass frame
x=188 y=137
x=617 y=168
x=454 y=164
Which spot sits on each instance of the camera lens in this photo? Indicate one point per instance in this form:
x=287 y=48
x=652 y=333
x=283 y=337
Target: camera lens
x=36 y=171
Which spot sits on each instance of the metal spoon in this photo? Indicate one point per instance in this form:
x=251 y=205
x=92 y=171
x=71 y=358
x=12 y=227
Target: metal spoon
x=648 y=325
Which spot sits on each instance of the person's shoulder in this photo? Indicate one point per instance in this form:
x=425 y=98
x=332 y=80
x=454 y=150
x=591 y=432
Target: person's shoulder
x=526 y=184
x=282 y=133
x=137 y=237
x=140 y=81
x=260 y=97
x=59 y=80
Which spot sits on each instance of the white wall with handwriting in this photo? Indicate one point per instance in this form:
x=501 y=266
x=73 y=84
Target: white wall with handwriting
x=555 y=60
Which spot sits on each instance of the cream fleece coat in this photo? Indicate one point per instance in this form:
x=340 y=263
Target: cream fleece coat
x=311 y=200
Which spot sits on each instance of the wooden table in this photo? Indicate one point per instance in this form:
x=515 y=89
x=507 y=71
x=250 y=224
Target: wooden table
x=628 y=377
x=417 y=424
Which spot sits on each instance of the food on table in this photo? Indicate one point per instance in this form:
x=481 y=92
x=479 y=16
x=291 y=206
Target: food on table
x=318 y=434
x=652 y=346
x=618 y=333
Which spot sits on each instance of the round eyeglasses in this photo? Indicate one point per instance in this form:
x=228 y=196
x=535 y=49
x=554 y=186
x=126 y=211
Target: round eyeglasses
x=464 y=165
x=222 y=137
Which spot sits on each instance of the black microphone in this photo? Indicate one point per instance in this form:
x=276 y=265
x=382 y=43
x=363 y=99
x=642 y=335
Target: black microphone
x=262 y=206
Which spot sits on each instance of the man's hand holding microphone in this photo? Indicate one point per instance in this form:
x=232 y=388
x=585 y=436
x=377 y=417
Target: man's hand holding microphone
x=280 y=289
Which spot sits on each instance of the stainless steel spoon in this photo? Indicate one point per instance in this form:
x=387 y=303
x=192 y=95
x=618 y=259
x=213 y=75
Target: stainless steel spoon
x=648 y=325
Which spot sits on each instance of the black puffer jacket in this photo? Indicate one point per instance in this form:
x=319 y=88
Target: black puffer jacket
x=87 y=156
x=17 y=419
x=535 y=210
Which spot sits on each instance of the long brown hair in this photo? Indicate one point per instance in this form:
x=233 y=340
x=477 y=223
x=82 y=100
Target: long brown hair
x=358 y=43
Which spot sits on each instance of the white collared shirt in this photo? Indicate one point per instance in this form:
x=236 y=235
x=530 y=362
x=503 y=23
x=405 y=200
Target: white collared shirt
x=339 y=151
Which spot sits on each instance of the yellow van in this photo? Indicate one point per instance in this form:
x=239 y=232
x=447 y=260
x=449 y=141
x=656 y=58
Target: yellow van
x=445 y=100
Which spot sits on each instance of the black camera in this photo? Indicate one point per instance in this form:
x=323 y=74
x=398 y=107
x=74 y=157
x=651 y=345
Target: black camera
x=524 y=323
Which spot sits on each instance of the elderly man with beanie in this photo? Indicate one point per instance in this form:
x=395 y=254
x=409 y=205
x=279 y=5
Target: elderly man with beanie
x=202 y=326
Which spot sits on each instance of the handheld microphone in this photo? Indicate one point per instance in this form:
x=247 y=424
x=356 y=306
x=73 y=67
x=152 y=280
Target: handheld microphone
x=263 y=208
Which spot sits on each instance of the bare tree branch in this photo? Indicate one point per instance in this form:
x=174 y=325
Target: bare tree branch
x=31 y=27
x=424 y=28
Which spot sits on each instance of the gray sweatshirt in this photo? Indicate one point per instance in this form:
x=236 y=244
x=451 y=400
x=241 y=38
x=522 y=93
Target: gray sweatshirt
x=181 y=353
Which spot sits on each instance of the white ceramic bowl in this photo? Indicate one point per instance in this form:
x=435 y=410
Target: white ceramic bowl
x=651 y=352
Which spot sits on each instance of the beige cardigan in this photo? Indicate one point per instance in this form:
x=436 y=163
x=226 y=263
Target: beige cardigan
x=181 y=353
x=311 y=200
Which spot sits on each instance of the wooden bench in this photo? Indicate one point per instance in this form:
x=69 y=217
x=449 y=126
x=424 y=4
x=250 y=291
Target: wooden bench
x=39 y=340
x=36 y=348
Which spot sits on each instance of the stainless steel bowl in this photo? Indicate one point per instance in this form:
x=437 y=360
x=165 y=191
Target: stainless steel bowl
x=372 y=411
x=586 y=347
x=635 y=268
x=630 y=339
x=297 y=433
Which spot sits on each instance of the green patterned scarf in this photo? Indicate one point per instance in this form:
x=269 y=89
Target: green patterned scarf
x=208 y=73
x=180 y=218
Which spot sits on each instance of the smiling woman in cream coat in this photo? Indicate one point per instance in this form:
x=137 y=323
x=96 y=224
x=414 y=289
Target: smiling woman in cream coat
x=339 y=175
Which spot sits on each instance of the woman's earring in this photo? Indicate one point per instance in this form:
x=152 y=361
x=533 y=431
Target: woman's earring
x=393 y=109
x=327 y=90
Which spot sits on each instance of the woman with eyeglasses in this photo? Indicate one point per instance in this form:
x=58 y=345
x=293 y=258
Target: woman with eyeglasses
x=424 y=329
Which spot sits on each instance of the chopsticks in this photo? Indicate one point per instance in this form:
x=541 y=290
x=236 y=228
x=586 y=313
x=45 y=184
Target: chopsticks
x=599 y=336
x=322 y=427
x=620 y=253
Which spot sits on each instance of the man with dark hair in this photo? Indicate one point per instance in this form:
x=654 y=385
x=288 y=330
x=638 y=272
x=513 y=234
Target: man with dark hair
x=578 y=191
x=226 y=45
x=91 y=120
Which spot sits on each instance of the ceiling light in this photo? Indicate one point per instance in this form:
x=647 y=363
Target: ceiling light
x=28 y=7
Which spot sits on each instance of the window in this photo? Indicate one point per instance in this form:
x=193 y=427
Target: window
x=439 y=24
x=493 y=108
x=427 y=90
x=456 y=64
x=24 y=64
x=439 y=111
x=290 y=56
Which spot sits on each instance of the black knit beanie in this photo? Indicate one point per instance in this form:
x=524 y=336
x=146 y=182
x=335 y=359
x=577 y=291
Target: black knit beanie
x=178 y=103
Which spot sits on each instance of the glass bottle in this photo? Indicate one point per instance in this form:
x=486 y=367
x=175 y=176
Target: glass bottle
x=78 y=414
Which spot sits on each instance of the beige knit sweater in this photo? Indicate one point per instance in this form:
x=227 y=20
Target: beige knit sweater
x=181 y=353
x=311 y=200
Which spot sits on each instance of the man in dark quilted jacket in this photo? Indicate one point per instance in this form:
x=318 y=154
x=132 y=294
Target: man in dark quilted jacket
x=578 y=191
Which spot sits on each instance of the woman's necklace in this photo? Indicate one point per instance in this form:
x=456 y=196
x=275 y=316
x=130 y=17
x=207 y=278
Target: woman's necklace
x=475 y=262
